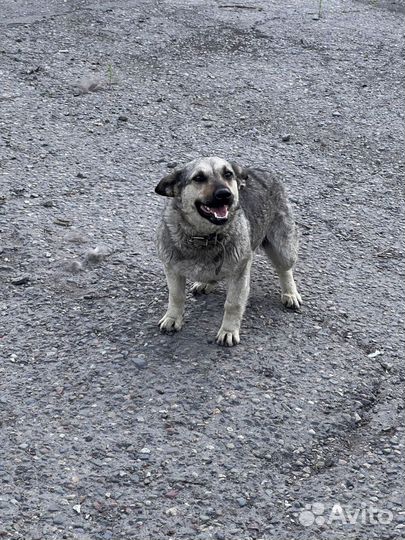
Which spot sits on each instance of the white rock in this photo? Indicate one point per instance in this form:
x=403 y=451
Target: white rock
x=77 y=508
x=374 y=354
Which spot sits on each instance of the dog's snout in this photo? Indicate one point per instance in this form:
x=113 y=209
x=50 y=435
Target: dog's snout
x=223 y=194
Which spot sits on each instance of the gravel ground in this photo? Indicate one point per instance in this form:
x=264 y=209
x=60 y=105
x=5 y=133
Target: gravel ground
x=109 y=430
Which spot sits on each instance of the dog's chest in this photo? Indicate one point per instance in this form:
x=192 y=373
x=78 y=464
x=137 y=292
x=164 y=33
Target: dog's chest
x=206 y=267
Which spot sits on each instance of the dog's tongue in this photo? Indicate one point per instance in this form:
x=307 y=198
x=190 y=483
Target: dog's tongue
x=220 y=213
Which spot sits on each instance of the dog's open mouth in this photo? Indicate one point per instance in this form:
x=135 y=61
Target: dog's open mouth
x=216 y=214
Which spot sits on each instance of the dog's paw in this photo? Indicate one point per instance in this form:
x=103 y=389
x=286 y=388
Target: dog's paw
x=170 y=324
x=202 y=288
x=227 y=338
x=291 y=300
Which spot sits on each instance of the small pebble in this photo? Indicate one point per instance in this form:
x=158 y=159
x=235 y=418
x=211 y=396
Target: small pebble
x=63 y=222
x=123 y=118
x=286 y=137
x=241 y=501
x=374 y=354
x=386 y=365
x=140 y=362
x=20 y=280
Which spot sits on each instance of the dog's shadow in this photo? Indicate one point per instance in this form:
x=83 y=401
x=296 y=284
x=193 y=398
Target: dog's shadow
x=205 y=311
x=203 y=315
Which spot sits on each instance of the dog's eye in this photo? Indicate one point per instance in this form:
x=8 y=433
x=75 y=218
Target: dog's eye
x=228 y=174
x=199 y=178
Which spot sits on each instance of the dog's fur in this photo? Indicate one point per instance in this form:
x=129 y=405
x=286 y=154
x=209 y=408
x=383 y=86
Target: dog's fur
x=207 y=248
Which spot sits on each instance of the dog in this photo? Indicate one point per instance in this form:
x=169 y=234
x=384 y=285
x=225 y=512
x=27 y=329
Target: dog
x=218 y=215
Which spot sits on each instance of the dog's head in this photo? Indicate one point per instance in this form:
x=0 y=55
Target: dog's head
x=206 y=190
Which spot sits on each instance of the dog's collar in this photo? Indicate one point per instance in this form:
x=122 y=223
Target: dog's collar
x=212 y=240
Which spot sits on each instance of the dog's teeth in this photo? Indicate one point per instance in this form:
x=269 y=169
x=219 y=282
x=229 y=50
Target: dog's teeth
x=218 y=212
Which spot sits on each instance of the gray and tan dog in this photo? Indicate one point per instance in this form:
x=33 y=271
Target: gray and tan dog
x=218 y=215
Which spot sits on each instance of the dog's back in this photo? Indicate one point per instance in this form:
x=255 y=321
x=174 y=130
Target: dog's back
x=265 y=205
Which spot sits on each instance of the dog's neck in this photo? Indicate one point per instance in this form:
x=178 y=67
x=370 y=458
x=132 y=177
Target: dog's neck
x=190 y=236
x=210 y=246
x=201 y=241
x=188 y=239
x=214 y=243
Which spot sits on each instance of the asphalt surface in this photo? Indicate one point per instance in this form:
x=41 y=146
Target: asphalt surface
x=109 y=430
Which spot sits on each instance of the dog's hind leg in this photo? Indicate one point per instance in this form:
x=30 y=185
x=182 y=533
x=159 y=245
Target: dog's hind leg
x=290 y=297
x=203 y=288
x=281 y=247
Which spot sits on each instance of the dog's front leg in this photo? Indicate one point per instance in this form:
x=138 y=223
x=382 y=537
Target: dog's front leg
x=173 y=319
x=235 y=303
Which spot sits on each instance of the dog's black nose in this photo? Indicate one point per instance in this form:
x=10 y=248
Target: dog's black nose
x=223 y=195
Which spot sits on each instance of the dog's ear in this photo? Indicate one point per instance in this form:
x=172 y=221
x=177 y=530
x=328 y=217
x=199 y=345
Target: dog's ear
x=240 y=173
x=168 y=186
